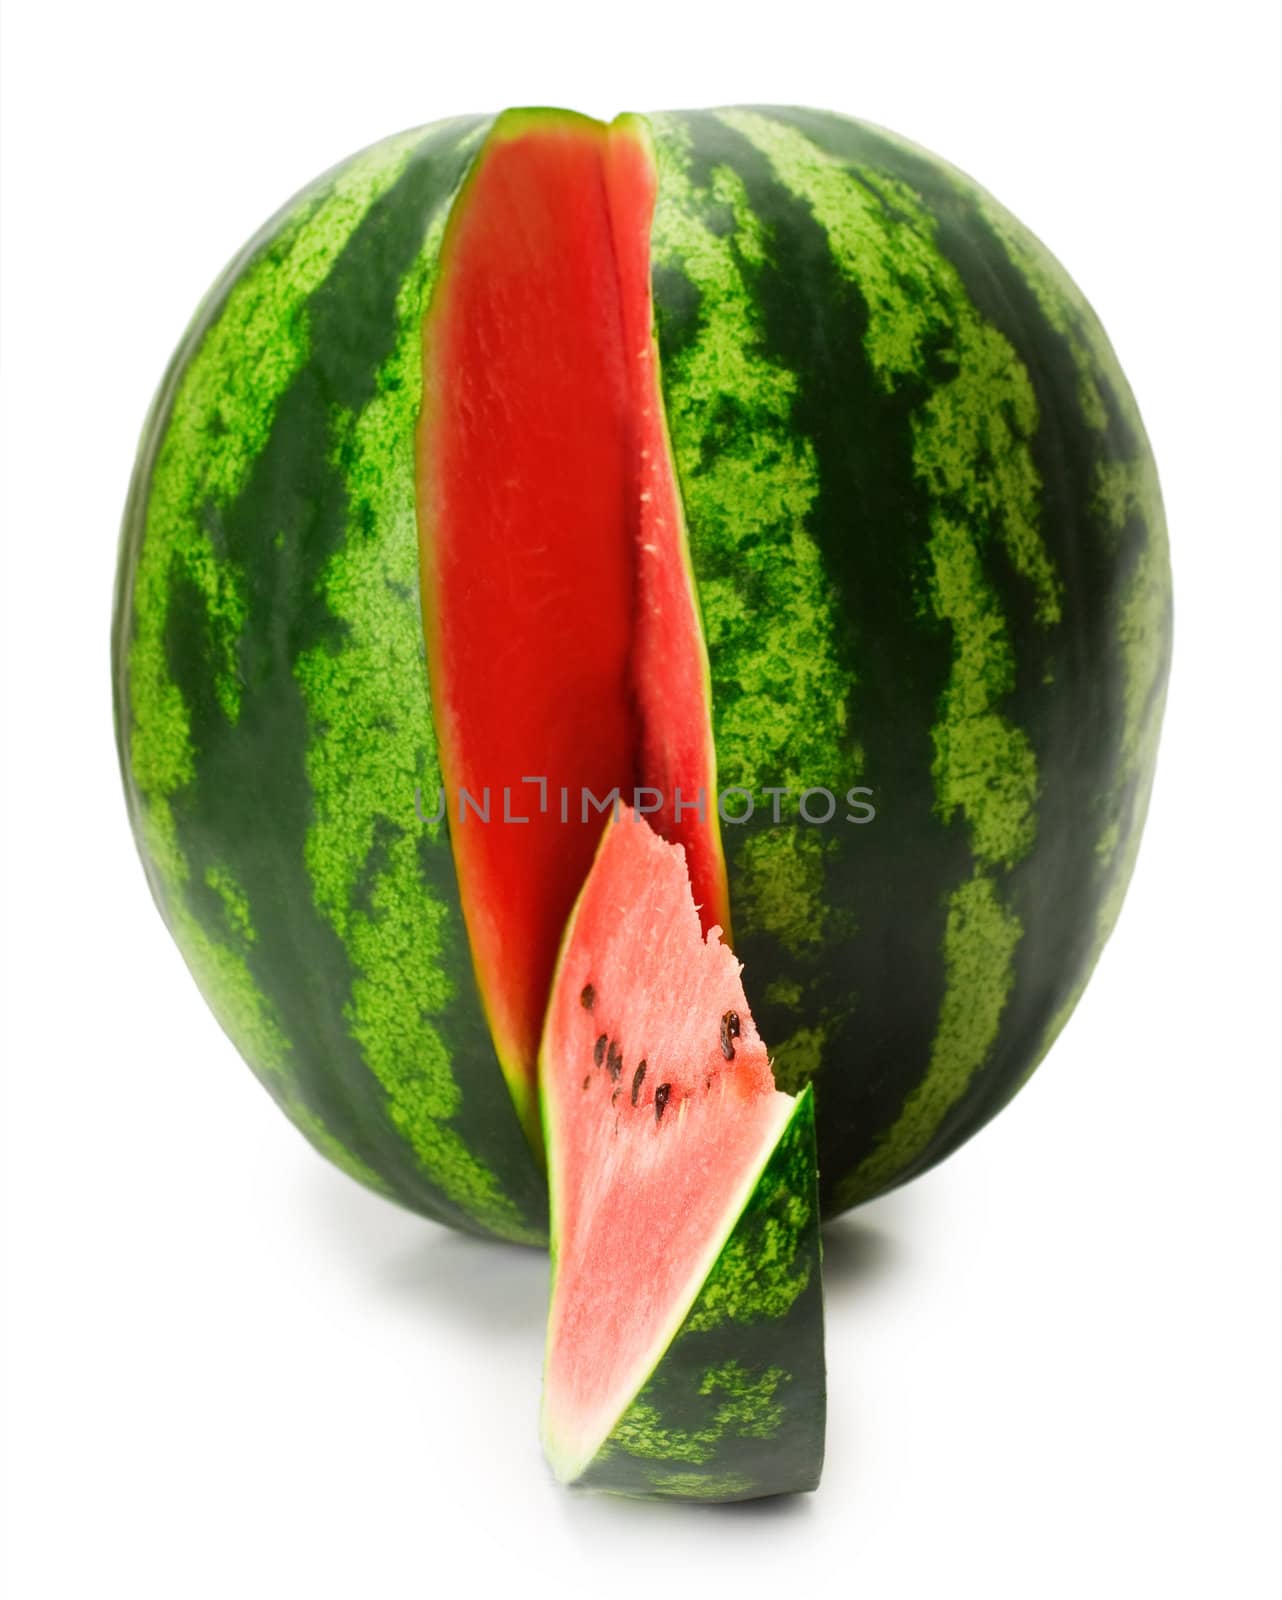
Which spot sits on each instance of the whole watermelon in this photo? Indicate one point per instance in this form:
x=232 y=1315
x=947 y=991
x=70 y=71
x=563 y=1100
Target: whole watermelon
x=927 y=543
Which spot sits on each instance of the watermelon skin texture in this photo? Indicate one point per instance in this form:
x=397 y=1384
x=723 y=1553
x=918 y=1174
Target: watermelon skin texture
x=272 y=702
x=931 y=556
x=929 y=550
x=735 y=1409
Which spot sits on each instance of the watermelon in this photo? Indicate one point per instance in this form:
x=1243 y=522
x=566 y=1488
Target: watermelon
x=753 y=464
x=685 y=1336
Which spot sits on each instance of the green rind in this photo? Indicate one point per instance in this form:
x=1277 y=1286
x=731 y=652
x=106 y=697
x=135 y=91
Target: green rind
x=928 y=543
x=735 y=1408
x=272 y=702
x=929 y=548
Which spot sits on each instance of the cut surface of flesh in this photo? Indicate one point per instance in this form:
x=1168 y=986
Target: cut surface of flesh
x=661 y=1116
x=563 y=644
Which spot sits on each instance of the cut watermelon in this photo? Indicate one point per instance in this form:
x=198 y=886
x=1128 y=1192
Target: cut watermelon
x=685 y=1335
x=565 y=652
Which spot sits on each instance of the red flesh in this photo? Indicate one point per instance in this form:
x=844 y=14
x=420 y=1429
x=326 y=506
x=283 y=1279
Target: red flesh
x=563 y=641
x=669 y=670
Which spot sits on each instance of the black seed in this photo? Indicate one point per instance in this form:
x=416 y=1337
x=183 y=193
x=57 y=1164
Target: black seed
x=588 y=998
x=598 y=1049
x=661 y=1099
x=614 y=1061
x=638 y=1078
x=729 y=1031
x=587 y=1080
x=614 y=1098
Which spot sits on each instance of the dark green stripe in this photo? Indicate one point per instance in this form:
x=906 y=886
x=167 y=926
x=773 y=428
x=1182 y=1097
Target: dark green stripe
x=959 y=419
x=884 y=879
x=256 y=508
x=970 y=454
x=1072 y=681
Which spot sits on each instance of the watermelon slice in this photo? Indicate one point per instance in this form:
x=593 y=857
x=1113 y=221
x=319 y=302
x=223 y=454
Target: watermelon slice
x=685 y=1334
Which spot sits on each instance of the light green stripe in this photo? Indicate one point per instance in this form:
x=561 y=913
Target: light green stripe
x=1128 y=514
x=984 y=765
x=1059 y=299
x=979 y=948
x=220 y=422
x=987 y=412
x=372 y=743
x=1127 y=501
x=1143 y=632
x=701 y=1485
x=749 y=480
x=221 y=970
x=972 y=453
x=748 y=1411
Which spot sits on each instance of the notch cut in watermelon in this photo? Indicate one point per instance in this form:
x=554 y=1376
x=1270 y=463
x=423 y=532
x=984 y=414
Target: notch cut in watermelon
x=563 y=640
x=685 y=1342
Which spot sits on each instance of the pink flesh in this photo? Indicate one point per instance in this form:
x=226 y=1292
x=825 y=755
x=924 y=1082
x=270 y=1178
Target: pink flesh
x=641 y=1203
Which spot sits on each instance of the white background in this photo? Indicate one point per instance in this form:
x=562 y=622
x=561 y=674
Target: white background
x=1053 y=1362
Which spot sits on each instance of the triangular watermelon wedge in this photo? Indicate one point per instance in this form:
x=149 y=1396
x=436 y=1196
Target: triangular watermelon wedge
x=685 y=1335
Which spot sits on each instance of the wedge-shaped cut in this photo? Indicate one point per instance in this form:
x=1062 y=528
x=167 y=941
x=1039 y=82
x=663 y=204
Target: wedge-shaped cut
x=685 y=1337
x=565 y=653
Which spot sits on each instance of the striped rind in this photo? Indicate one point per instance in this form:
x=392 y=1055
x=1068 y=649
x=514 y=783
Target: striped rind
x=273 y=707
x=735 y=1408
x=931 y=556
x=928 y=544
